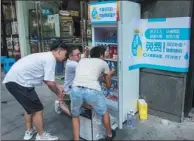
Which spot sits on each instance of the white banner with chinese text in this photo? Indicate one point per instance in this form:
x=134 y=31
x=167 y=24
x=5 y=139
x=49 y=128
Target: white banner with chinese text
x=103 y=12
x=162 y=43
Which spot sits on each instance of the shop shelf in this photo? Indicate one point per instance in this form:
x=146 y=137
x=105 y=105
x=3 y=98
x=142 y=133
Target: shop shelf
x=110 y=59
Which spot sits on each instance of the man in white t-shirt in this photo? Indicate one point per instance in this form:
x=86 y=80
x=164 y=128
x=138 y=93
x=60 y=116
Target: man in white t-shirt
x=86 y=89
x=70 y=67
x=29 y=72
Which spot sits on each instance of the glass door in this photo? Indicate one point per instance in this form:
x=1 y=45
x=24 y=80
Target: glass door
x=42 y=28
x=34 y=29
x=106 y=36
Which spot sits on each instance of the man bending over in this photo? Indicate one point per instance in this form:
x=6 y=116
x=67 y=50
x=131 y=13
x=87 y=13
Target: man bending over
x=86 y=89
x=74 y=57
x=29 y=72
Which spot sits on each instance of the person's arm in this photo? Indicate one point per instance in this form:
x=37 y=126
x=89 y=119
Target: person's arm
x=54 y=87
x=107 y=78
x=107 y=75
x=86 y=52
x=49 y=77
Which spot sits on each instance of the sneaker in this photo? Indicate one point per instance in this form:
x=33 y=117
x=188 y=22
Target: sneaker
x=29 y=134
x=113 y=135
x=57 y=107
x=46 y=136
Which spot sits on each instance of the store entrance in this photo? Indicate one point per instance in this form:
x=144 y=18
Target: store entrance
x=49 y=20
x=42 y=26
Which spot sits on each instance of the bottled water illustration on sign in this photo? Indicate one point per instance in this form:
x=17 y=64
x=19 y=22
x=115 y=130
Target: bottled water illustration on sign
x=136 y=46
x=95 y=13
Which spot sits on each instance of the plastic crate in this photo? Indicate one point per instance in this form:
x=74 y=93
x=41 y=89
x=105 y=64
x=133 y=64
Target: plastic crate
x=3 y=58
x=8 y=64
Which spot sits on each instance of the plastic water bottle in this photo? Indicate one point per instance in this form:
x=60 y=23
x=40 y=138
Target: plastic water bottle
x=108 y=91
x=109 y=64
x=131 y=121
x=112 y=66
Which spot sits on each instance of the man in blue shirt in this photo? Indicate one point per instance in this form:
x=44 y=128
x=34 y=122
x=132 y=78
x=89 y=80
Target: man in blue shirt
x=71 y=64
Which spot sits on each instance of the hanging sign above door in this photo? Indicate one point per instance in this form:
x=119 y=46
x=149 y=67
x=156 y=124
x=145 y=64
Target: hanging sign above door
x=103 y=12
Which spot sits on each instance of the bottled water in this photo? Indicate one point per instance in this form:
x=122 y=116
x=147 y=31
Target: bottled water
x=112 y=66
x=109 y=64
x=131 y=121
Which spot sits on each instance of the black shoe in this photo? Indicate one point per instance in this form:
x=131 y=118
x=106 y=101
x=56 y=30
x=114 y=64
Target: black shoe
x=113 y=135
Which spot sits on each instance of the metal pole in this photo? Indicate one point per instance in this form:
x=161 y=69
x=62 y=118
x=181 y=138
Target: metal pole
x=38 y=22
x=81 y=23
x=3 y=38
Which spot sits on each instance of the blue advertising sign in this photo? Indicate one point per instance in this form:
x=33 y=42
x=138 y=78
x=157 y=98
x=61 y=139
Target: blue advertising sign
x=161 y=44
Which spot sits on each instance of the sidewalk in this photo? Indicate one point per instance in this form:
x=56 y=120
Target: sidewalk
x=12 y=122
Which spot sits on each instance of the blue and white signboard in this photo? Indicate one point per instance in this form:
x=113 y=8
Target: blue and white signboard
x=161 y=44
x=103 y=12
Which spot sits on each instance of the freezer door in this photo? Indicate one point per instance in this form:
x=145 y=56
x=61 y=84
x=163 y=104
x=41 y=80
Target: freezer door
x=129 y=80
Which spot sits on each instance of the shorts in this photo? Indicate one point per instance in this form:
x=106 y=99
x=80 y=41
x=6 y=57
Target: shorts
x=80 y=95
x=26 y=96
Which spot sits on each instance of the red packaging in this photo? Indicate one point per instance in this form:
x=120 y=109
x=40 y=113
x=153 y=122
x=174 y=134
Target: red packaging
x=115 y=50
x=111 y=51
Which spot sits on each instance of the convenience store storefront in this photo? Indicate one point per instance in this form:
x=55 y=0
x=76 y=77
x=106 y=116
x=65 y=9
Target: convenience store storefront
x=9 y=31
x=179 y=86
x=41 y=21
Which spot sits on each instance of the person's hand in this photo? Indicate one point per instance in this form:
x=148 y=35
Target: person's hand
x=111 y=73
x=61 y=98
x=86 y=51
x=61 y=93
x=62 y=90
